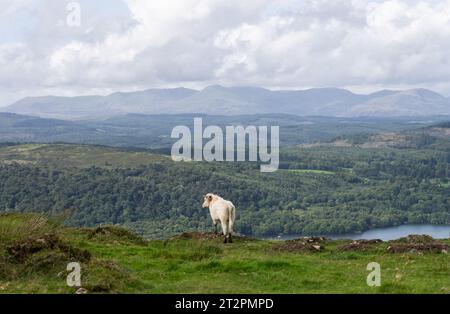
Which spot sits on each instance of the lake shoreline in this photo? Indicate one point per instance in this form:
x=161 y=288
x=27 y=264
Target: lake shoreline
x=385 y=234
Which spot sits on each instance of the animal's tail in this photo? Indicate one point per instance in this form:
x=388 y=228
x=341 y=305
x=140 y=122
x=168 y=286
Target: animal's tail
x=232 y=218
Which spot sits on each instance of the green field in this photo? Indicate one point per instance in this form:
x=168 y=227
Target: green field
x=82 y=156
x=114 y=260
x=300 y=171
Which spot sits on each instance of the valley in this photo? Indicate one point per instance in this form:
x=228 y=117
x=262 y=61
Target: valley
x=335 y=175
x=317 y=190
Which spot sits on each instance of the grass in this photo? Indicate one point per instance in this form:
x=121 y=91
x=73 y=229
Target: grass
x=124 y=263
x=63 y=155
x=311 y=171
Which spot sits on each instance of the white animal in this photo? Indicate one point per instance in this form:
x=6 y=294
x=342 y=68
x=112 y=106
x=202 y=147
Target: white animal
x=223 y=211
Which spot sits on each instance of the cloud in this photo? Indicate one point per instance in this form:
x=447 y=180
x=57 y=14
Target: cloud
x=284 y=44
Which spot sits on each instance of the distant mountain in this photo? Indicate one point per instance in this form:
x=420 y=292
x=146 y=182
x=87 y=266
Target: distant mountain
x=219 y=100
x=414 y=102
x=12 y=120
x=22 y=128
x=148 y=101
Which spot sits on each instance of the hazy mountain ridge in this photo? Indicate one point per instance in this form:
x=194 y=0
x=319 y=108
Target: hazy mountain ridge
x=219 y=100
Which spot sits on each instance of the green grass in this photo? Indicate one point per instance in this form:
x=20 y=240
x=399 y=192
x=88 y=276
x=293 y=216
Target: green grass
x=310 y=171
x=67 y=155
x=123 y=263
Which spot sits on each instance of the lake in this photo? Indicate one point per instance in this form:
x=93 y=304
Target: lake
x=391 y=233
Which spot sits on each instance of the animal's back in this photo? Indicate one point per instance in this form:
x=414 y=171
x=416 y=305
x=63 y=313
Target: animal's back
x=222 y=208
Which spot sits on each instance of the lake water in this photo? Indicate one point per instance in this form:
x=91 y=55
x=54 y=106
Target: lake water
x=391 y=233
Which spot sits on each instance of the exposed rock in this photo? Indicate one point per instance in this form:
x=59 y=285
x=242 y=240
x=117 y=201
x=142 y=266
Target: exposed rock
x=306 y=244
x=204 y=236
x=418 y=244
x=197 y=236
x=415 y=238
x=418 y=248
x=359 y=245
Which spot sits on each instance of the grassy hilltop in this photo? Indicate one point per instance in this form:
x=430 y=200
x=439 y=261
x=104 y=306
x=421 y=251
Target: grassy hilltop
x=34 y=252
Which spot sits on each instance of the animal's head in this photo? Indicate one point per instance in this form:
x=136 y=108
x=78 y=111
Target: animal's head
x=208 y=199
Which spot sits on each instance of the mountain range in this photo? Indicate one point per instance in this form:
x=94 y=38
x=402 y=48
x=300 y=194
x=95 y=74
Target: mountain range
x=219 y=100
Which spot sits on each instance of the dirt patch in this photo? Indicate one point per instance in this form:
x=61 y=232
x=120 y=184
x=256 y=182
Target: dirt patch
x=415 y=238
x=205 y=236
x=386 y=140
x=197 y=236
x=307 y=244
x=419 y=247
x=359 y=245
x=439 y=132
x=417 y=244
x=20 y=251
x=115 y=233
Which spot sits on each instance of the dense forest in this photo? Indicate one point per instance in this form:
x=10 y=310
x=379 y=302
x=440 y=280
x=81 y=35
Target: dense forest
x=318 y=190
x=153 y=131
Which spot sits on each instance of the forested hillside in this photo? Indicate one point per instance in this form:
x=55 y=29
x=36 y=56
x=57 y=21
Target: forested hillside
x=153 y=131
x=323 y=189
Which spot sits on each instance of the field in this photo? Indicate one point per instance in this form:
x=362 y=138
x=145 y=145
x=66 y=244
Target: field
x=113 y=260
x=300 y=171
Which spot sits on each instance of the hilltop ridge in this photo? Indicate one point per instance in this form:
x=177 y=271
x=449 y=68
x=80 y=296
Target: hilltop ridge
x=216 y=99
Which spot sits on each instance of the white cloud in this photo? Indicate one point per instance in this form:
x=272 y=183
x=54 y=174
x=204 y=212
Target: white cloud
x=282 y=44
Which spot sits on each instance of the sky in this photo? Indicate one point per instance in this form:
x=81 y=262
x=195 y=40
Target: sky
x=126 y=45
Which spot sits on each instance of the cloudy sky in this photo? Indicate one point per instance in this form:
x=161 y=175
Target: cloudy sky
x=125 y=45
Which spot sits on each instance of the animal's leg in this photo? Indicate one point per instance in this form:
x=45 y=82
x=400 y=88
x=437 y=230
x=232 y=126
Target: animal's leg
x=215 y=226
x=232 y=219
x=231 y=224
x=225 y=231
